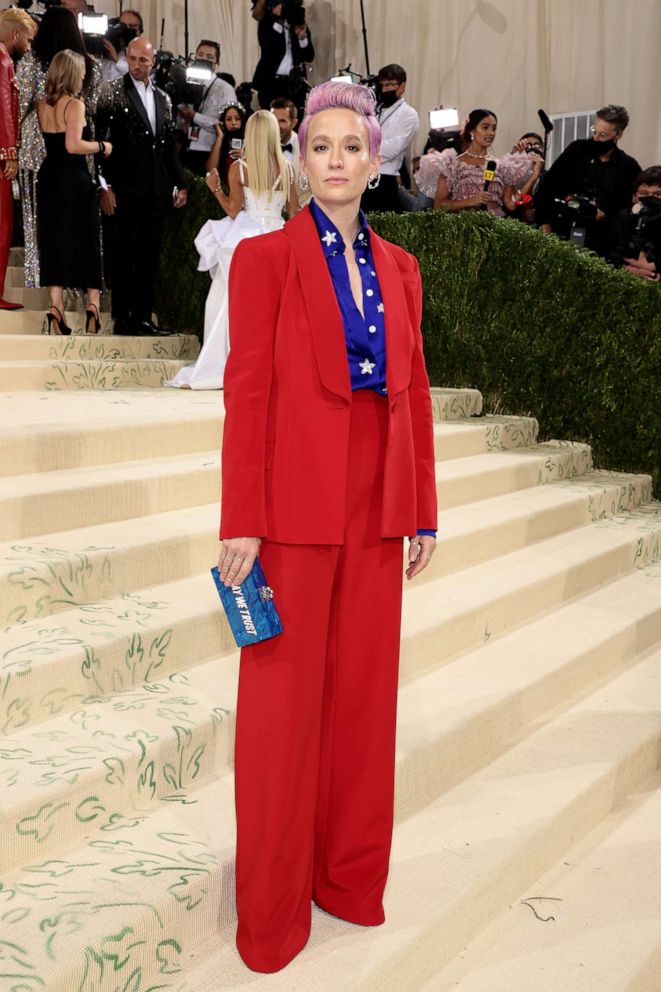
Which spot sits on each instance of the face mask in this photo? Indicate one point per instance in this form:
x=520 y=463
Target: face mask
x=602 y=147
x=389 y=98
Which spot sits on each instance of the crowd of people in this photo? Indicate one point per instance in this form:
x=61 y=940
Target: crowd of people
x=100 y=152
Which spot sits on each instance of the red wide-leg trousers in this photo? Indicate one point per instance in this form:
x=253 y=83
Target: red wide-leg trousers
x=315 y=738
x=6 y=227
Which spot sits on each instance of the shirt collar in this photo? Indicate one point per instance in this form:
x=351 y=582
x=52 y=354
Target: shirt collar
x=331 y=239
x=144 y=87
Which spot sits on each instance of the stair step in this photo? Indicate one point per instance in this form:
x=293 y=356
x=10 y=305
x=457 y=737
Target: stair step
x=41 y=503
x=32 y=322
x=52 y=664
x=15 y=275
x=471 y=853
x=92 y=374
x=30 y=348
x=49 y=431
x=89 y=564
x=144 y=891
x=455 y=404
x=478 y=477
x=592 y=922
x=17 y=256
x=38 y=298
x=481 y=530
x=452 y=614
x=111 y=755
x=458 y=439
x=457 y=862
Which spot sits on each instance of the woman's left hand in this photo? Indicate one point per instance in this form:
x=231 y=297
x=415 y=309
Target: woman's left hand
x=213 y=180
x=421 y=549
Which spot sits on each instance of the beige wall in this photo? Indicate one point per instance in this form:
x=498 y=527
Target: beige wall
x=512 y=56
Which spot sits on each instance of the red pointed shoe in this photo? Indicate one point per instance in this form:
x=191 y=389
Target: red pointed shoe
x=7 y=305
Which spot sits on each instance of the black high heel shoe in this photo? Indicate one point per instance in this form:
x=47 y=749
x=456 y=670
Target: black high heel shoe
x=58 y=321
x=92 y=314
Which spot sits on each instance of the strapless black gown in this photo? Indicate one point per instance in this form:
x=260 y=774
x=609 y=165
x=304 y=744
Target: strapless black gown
x=68 y=225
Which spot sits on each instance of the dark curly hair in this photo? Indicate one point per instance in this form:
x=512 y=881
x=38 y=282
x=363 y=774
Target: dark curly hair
x=58 y=29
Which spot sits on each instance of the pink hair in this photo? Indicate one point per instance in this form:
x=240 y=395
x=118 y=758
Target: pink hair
x=343 y=96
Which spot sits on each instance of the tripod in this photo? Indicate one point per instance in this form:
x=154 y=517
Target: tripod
x=367 y=54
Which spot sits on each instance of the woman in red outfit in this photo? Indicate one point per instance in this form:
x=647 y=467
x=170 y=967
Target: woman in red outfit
x=328 y=463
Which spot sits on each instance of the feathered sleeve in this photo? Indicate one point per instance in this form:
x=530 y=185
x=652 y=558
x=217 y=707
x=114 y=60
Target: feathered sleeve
x=426 y=178
x=514 y=168
x=432 y=167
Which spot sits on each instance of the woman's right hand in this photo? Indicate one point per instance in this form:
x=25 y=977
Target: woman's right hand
x=480 y=199
x=219 y=131
x=107 y=150
x=236 y=559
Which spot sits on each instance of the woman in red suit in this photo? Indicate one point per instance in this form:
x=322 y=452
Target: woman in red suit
x=328 y=463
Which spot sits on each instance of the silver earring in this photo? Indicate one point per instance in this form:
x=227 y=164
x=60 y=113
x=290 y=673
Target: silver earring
x=303 y=182
x=374 y=180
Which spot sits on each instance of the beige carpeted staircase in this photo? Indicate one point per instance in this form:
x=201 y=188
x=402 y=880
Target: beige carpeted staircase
x=526 y=853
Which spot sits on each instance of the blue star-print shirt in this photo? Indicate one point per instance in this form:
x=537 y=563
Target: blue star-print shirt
x=365 y=336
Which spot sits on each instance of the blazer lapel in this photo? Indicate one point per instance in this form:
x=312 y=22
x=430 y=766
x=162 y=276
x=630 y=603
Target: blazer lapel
x=326 y=324
x=159 y=100
x=399 y=333
x=134 y=98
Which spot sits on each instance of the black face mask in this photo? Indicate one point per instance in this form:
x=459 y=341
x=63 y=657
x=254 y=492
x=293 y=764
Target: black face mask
x=234 y=134
x=388 y=98
x=602 y=147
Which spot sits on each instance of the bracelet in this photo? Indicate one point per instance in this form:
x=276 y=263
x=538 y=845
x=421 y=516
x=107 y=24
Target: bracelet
x=102 y=147
x=218 y=189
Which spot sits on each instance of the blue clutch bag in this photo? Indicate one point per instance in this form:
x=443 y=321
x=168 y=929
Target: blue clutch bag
x=250 y=609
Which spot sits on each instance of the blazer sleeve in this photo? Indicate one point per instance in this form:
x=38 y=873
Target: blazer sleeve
x=421 y=410
x=247 y=387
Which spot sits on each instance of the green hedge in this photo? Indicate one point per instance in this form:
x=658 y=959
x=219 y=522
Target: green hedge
x=540 y=327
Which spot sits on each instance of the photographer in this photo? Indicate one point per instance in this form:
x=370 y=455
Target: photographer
x=114 y=62
x=201 y=122
x=399 y=126
x=581 y=194
x=285 y=44
x=638 y=229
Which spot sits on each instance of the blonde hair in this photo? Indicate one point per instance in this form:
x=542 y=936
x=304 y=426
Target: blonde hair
x=65 y=76
x=263 y=155
x=13 y=18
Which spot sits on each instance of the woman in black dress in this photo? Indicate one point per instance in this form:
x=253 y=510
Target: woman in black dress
x=68 y=229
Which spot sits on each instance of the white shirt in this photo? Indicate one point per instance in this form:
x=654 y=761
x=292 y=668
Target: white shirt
x=399 y=126
x=113 y=70
x=146 y=94
x=287 y=63
x=216 y=95
x=294 y=156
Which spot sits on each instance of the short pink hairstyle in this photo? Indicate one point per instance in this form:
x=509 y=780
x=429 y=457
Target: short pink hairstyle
x=343 y=96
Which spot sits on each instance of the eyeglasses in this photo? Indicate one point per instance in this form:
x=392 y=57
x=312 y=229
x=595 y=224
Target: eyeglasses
x=602 y=135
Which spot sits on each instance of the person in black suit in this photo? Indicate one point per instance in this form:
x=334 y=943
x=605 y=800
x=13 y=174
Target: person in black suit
x=285 y=43
x=144 y=176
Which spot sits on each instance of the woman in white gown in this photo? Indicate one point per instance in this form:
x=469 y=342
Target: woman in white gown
x=260 y=188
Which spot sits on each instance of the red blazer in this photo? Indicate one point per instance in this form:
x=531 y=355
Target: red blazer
x=8 y=107
x=288 y=394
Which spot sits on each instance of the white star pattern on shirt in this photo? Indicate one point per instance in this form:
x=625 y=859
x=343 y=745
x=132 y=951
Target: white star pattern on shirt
x=380 y=308
x=367 y=367
x=330 y=237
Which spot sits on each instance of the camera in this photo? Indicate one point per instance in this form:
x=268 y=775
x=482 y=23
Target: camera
x=292 y=11
x=646 y=232
x=179 y=78
x=98 y=28
x=576 y=208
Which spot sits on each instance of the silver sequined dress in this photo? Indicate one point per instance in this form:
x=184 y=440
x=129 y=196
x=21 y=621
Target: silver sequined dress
x=32 y=80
